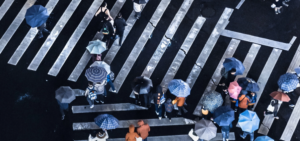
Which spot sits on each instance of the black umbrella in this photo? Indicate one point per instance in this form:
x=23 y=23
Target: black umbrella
x=142 y=85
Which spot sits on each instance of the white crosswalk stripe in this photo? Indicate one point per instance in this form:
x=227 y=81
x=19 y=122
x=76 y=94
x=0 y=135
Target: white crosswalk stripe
x=4 y=7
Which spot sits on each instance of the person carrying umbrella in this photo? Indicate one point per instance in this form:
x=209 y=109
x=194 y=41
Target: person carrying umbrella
x=168 y=109
x=212 y=101
x=224 y=116
x=181 y=90
x=143 y=130
x=278 y=98
x=131 y=135
x=106 y=121
x=244 y=100
x=288 y=83
x=138 y=6
x=249 y=122
x=142 y=85
x=64 y=95
x=234 y=91
x=158 y=97
x=102 y=135
x=90 y=94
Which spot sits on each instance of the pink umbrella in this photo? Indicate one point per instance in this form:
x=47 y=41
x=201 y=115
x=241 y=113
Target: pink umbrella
x=234 y=90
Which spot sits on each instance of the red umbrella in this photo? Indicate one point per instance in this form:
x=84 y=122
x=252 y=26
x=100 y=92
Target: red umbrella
x=234 y=90
x=280 y=96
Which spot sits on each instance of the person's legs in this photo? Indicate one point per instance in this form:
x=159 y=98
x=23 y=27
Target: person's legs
x=227 y=135
x=276 y=10
x=145 y=139
x=244 y=135
x=40 y=34
x=223 y=135
x=251 y=136
x=137 y=99
x=105 y=92
x=179 y=110
x=111 y=84
x=46 y=30
x=121 y=38
x=159 y=111
x=91 y=102
x=100 y=98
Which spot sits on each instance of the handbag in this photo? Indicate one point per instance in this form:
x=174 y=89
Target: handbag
x=139 y=139
x=271 y=108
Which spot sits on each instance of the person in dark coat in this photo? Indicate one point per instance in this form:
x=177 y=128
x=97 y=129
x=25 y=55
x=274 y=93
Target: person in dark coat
x=169 y=108
x=120 y=27
x=107 y=26
x=227 y=77
x=225 y=132
x=156 y=96
x=42 y=29
x=63 y=107
x=278 y=6
x=252 y=96
x=274 y=108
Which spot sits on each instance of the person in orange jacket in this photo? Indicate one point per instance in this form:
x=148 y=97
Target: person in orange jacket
x=180 y=104
x=131 y=135
x=143 y=130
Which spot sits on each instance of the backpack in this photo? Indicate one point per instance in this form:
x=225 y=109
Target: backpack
x=92 y=93
x=105 y=29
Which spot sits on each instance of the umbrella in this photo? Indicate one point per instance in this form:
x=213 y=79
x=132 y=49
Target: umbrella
x=96 y=74
x=65 y=94
x=248 y=121
x=36 y=15
x=205 y=129
x=280 y=96
x=248 y=84
x=223 y=116
x=102 y=64
x=234 y=90
x=141 y=1
x=263 y=138
x=288 y=82
x=96 y=47
x=232 y=63
x=142 y=84
x=212 y=101
x=179 y=88
x=106 y=121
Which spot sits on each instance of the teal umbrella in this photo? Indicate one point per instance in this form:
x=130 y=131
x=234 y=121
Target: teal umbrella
x=96 y=47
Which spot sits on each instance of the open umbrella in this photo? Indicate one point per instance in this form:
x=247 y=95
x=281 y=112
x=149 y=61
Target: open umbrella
x=107 y=121
x=212 y=101
x=65 y=94
x=102 y=64
x=280 y=96
x=288 y=82
x=96 y=74
x=96 y=47
x=264 y=138
x=248 y=121
x=179 y=88
x=36 y=15
x=142 y=85
x=223 y=116
x=205 y=129
x=233 y=63
x=234 y=90
x=248 y=84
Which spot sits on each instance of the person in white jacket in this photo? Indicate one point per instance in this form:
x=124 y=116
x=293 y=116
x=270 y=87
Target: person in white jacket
x=101 y=136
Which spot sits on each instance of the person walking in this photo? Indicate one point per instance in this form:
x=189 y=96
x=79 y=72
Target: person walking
x=102 y=135
x=120 y=27
x=225 y=132
x=100 y=91
x=42 y=29
x=103 y=11
x=252 y=99
x=244 y=100
x=245 y=134
x=138 y=6
x=169 y=109
x=110 y=78
x=180 y=104
x=278 y=6
x=131 y=135
x=156 y=96
x=143 y=130
x=63 y=107
x=107 y=30
x=227 y=77
x=90 y=94
x=273 y=108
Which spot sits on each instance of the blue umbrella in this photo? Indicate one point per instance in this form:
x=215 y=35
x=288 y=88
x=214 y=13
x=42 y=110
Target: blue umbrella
x=288 y=82
x=106 y=121
x=248 y=121
x=248 y=84
x=223 y=116
x=96 y=74
x=232 y=63
x=36 y=15
x=179 y=88
x=263 y=138
x=212 y=101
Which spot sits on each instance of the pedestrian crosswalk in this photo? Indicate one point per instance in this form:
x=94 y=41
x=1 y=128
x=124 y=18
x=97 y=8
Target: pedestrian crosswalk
x=4 y=7
x=107 y=108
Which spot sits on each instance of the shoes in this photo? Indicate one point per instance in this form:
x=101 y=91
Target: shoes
x=184 y=110
x=102 y=101
x=156 y=113
x=92 y=106
x=276 y=12
x=97 y=101
x=159 y=118
x=276 y=117
x=47 y=31
x=292 y=105
x=63 y=117
x=166 y=115
x=285 y=4
x=227 y=139
x=242 y=136
x=40 y=36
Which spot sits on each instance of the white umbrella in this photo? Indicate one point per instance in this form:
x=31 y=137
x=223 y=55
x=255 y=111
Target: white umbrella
x=96 y=47
x=102 y=64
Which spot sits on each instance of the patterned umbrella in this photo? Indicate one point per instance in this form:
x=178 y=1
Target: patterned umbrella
x=106 y=121
x=142 y=85
x=288 y=82
x=205 y=129
x=280 y=96
x=233 y=63
x=65 y=94
x=248 y=121
x=96 y=47
x=179 y=88
x=102 y=64
x=234 y=90
x=223 y=116
x=264 y=138
x=96 y=74
x=248 y=84
x=212 y=101
x=36 y=15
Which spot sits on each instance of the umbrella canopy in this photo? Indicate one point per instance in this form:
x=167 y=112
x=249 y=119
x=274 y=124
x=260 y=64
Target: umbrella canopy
x=106 y=121
x=36 y=15
x=102 y=64
x=233 y=63
x=96 y=47
x=142 y=85
x=248 y=84
x=65 y=94
x=223 y=116
x=280 y=96
x=205 y=129
x=234 y=90
x=96 y=74
x=179 y=88
x=248 y=121
x=263 y=138
x=288 y=82
x=212 y=101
